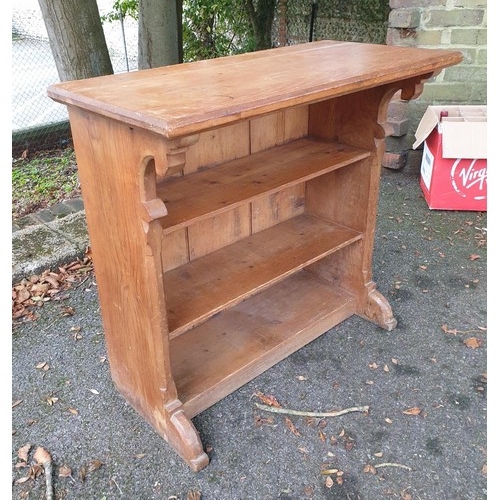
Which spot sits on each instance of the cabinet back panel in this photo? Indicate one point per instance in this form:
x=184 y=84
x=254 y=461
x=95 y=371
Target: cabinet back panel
x=278 y=207
x=217 y=232
x=278 y=128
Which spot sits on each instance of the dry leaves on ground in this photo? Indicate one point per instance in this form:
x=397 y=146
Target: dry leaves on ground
x=31 y=293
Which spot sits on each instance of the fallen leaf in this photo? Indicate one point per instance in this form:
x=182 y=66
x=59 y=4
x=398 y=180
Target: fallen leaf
x=67 y=311
x=42 y=365
x=51 y=400
x=22 y=480
x=340 y=480
x=301 y=377
x=370 y=469
x=474 y=256
x=82 y=473
x=386 y=368
x=412 y=411
x=22 y=453
x=64 y=471
x=379 y=454
x=17 y=403
x=322 y=436
x=328 y=482
x=73 y=411
x=140 y=455
x=308 y=491
x=473 y=342
x=42 y=456
x=388 y=420
x=349 y=444
x=260 y=421
x=373 y=366
x=94 y=391
x=423 y=267
x=484 y=469
x=268 y=400
x=193 y=495
x=292 y=427
x=94 y=465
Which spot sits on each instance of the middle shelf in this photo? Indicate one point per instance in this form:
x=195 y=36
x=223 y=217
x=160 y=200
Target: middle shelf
x=200 y=195
x=203 y=287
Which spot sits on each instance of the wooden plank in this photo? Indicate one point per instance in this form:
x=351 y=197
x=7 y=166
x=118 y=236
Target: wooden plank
x=184 y=99
x=222 y=354
x=204 y=194
x=206 y=286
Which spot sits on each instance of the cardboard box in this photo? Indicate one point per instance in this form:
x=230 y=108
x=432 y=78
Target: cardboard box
x=453 y=173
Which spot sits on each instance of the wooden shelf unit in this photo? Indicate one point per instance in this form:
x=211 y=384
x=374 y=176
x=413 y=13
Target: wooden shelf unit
x=232 y=217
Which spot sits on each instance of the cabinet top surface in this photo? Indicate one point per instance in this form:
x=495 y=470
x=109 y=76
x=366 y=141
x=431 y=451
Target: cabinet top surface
x=187 y=98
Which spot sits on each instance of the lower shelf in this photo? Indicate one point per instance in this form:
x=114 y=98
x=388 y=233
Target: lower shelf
x=206 y=286
x=227 y=351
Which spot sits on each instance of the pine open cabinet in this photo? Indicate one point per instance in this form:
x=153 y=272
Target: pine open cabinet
x=231 y=208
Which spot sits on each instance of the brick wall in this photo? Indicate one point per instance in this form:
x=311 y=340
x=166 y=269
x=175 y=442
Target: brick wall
x=449 y=24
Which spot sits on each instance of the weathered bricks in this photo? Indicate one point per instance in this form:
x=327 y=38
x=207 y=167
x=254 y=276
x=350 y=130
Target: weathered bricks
x=451 y=24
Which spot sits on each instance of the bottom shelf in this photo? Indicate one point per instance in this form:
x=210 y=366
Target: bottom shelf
x=230 y=349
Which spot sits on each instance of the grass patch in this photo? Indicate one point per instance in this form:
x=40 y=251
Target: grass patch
x=42 y=180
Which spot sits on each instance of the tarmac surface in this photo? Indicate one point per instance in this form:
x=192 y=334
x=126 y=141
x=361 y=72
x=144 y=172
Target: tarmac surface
x=424 y=436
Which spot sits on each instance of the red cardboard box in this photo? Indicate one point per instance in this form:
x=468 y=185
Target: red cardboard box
x=453 y=172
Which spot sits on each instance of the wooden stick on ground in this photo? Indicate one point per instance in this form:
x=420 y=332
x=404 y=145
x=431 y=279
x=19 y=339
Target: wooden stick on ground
x=390 y=464
x=312 y=413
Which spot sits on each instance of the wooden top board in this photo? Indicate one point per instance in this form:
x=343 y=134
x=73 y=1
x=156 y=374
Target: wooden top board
x=188 y=98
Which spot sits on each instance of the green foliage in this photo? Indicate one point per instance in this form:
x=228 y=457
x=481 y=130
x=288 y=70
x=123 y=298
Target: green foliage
x=122 y=9
x=215 y=28
x=210 y=28
x=43 y=180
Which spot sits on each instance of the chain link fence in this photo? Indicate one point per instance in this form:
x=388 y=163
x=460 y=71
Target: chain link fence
x=300 y=21
x=39 y=123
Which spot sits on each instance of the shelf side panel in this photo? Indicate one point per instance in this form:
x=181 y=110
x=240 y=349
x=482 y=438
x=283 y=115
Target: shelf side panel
x=224 y=353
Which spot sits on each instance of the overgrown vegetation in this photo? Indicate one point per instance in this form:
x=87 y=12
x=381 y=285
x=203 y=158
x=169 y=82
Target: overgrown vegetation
x=42 y=180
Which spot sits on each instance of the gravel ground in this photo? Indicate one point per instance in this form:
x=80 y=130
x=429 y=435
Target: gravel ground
x=423 y=438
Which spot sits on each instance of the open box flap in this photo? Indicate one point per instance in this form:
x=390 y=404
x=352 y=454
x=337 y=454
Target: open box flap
x=464 y=130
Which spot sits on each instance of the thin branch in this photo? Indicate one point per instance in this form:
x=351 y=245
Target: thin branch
x=390 y=464
x=299 y=413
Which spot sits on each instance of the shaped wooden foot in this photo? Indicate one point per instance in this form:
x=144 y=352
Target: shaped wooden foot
x=184 y=438
x=379 y=311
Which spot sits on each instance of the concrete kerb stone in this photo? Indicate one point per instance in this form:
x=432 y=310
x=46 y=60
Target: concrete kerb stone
x=45 y=246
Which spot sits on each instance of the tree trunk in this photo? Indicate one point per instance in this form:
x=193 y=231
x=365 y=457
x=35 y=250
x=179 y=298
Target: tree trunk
x=76 y=38
x=261 y=14
x=160 y=33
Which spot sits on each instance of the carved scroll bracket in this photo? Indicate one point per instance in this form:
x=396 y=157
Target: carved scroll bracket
x=175 y=151
x=152 y=208
x=413 y=88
